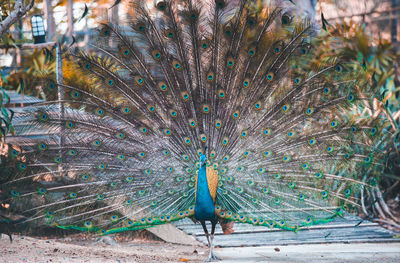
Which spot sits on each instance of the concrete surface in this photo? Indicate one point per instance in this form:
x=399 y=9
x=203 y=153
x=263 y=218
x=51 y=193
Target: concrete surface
x=321 y=253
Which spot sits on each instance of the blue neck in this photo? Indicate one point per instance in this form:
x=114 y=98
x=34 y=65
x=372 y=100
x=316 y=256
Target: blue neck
x=204 y=208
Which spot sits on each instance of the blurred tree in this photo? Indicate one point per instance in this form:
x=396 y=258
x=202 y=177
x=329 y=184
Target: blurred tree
x=17 y=11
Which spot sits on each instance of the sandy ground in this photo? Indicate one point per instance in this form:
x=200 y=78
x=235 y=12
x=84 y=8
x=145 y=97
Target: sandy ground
x=27 y=249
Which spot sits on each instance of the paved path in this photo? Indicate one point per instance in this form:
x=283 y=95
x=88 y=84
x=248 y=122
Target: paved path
x=318 y=253
x=341 y=230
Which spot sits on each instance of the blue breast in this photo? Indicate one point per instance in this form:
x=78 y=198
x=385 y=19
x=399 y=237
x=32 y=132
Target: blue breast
x=204 y=208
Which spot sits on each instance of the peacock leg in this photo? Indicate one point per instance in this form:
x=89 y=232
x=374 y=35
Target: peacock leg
x=212 y=255
x=203 y=224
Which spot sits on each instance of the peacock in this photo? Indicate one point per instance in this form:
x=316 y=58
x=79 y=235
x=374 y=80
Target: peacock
x=214 y=110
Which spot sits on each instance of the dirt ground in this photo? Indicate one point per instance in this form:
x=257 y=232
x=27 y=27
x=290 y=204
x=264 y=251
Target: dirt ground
x=80 y=248
x=70 y=249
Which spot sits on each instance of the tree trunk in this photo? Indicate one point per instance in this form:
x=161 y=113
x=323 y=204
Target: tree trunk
x=48 y=13
x=70 y=18
x=395 y=21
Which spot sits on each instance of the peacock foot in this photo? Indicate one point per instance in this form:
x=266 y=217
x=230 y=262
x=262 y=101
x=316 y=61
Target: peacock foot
x=212 y=258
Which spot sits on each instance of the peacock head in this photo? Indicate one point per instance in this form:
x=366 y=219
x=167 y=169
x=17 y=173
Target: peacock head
x=203 y=160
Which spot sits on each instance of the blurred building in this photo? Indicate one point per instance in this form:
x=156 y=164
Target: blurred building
x=380 y=17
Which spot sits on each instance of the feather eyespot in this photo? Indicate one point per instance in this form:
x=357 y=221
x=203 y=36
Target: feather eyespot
x=120 y=135
x=185 y=158
x=285 y=108
x=252 y=51
x=99 y=112
x=203 y=137
x=270 y=76
x=305 y=166
x=330 y=149
x=206 y=108
x=218 y=124
x=286 y=19
x=96 y=142
x=101 y=166
x=139 y=80
x=230 y=62
x=167 y=132
x=140 y=27
x=162 y=86
x=351 y=97
x=192 y=123
x=235 y=114
x=105 y=31
x=213 y=154
x=204 y=44
x=142 y=155
x=246 y=83
x=267 y=132
x=309 y=111
x=75 y=95
x=151 y=108
x=126 y=110
x=156 y=54
x=210 y=76
x=220 y=3
x=72 y=152
x=161 y=5
x=373 y=131
x=326 y=90
x=291 y=134
x=173 y=113
x=52 y=85
x=193 y=15
x=110 y=83
x=170 y=33
x=228 y=30
x=176 y=64
x=312 y=141
x=251 y=21
x=267 y=153
x=185 y=96
x=221 y=94
x=225 y=141
x=42 y=146
x=70 y=125
x=143 y=130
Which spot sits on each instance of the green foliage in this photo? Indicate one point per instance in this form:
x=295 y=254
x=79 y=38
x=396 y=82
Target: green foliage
x=5 y=115
x=37 y=68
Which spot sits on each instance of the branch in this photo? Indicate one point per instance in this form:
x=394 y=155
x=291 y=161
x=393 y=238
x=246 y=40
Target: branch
x=20 y=9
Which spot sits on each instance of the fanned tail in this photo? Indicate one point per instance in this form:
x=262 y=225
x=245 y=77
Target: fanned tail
x=287 y=138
